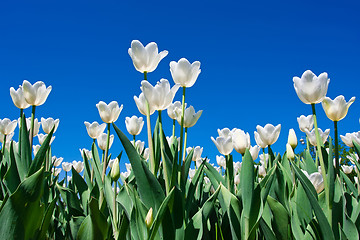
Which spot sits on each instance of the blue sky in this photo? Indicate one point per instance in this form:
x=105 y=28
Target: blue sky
x=249 y=53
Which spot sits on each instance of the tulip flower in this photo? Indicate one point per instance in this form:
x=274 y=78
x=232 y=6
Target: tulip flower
x=66 y=166
x=269 y=134
x=56 y=161
x=336 y=109
x=292 y=139
x=94 y=129
x=190 y=117
x=223 y=144
x=42 y=138
x=347 y=169
x=56 y=171
x=78 y=166
x=7 y=126
x=125 y=175
x=316 y=179
x=221 y=161
x=184 y=73
x=134 y=125
x=28 y=124
x=196 y=154
x=149 y=218
x=312 y=137
x=237 y=167
x=258 y=140
x=109 y=113
x=36 y=149
x=225 y=132
x=171 y=110
x=261 y=170
x=160 y=96
x=237 y=179
x=128 y=167
x=310 y=88
x=191 y=173
x=142 y=105
x=102 y=141
x=306 y=122
x=348 y=139
x=36 y=94
x=48 y=124
x=264 y=158
x=254 y=151
x=290 y=152
x=18 y=98
x=86 y=152
x=139 y=146
x=145 y=59
x=241 y=141
x=199 y=161
x=115 y=170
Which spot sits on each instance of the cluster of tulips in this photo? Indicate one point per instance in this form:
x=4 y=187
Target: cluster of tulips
x=160 y=196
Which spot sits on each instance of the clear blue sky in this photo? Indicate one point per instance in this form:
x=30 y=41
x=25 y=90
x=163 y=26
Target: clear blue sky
x=249 y=53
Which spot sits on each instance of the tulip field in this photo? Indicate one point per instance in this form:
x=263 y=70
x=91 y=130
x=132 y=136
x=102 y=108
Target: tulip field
x=169 y=190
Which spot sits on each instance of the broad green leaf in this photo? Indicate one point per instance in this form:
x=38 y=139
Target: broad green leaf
x=12 y=178
x=266 y=230
x=281 y=218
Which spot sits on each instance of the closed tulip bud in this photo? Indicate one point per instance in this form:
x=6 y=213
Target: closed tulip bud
x=146 y=154
x=159 y=96
x=141 y=104
x=94 y=129
x=115 y=170
x=78 y=166
x=237 y=179
x=36 y=94
x=241 y=141
x=312 y=137
x=306 y=123
x=149 y=218
x=7 y=126
x=261 y=170
x=109 y=113
x=269 y=134
x=184 y=73
x=310 y=88
x=134 y=125
x=290 y=152
x=336 y=109
x=224 y=145
x=56 y=161
x=102 y=140
x=145 y=59
x=190 y=117
x=292 y=139
x=66 y=166
x=18 y=98
x=48 y=124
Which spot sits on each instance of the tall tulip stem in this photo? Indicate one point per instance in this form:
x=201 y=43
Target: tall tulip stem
x=230 y=173
x=165 y=166
x=115 y=211
x=337 y=166
x=32 y=125
x=322 y=164
x=182 y=125
x=106 y=153
x=173 y=131
x=3 y=147
x=20 y=126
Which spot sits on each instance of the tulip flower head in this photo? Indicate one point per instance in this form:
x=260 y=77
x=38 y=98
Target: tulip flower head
x=139 y=146
x=336 y=109
x=312 y=137
x=347 y=169
x=56 y=161
x=7 y=126
x=42 y=138
x=78 y=166
x=145 y=59
x=171 y=109
x=102 y=139
x=184 y=73
x=316 y=179
x=258 y=140
x=348 y=139
x=310 y=88
x=221 y=161
x=115 y=170
x=241 y=141
x=134 y=125
x=290 y=152
x=197 y=153
x=254 y=151
x=94 y=129
x=160 y=96
x=36 y=149
x=109 y=113
x=223 y=144
x=306 y=123
x=56 y=171
x=18 y=98
x=36 y=94
x=87 y=153
x=268 y=134
x=190 y=117
x=141 y=104
x=292 y=139
x=66 y=166
x=48 y=124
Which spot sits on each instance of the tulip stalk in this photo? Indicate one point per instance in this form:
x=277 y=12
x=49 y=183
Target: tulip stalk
x=92 y=167
x=337 y=166
x=229 y=173
x=183 y=160
x=106 y=153
x=115 y=211
x=20 y=126
x=3 y=147
x=182 y=126
x=322 y=164
x=165 y=166
x=173 y=130
x=32 y=125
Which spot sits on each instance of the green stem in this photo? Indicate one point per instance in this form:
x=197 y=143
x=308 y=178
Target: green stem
x=337 y=166
x=173 y=131
x=21 y=123
x=150 y=140
x=106 y=153
x=165 y=167
x=230 y=173
x=134 y=141
x=182 y=125
x=92 y=167
x=3 y=147
x=32 y=126
x=115 y=211
x=65 y=178
x=183 y=160
x=319 y=144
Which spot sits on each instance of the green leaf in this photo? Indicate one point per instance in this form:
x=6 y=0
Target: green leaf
x=23 y=163
x=149 y=189
x=12 y=178
x=281 y=218
x=71 y=200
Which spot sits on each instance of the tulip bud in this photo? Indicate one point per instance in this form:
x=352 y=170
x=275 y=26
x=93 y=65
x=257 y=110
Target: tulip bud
x=149 y=218
x=292 y=140
x=115 y=170
x=289 y=152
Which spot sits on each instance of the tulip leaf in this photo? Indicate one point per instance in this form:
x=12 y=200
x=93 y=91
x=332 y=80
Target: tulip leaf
x=267 y=232
x=12 y=178
x=149 y=189
x=247 y=183
x=281 y=218
x=87 y=170
x=47 y=219
x=23 y=163
x=194 y=184
x=95 y=163
x=312 y=196
x=71 y=200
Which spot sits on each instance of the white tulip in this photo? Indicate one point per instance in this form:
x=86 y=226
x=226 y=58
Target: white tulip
x=142 y=104
x=254 y=151
x=237 y=167
x=56 y=171
x=185 y=73
x=134 y=125
x=102 y=140
x=128 y=167
x=56 y=161
x=7 y=126
x=160 y=96
x=310 y=88
x=312 y=137
x=290 y=152
x=18 y=98
x=221 y=161
x=336 y=109
x=306 y=123
x=139 y=146
x=94 y=129
x=36 y=94
x=66 y=166
x=292 y=139
x=197 y=152
x=171 y=109
x=224 y=145
x=316 y=179
x=241 y=141
x=261 y=170
x=36 y=149
x=42 y=138
x=237 y=179
x=78 y=166
x=190 y=117
x=258 y=140
x=347 y=169
x=28 y=125
x=87 y=152
x=145 y=59
x=48 y=124
x=109 y=113
x=347 y=139
x=225 y=132
x=269 y=134
x=264 y=159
